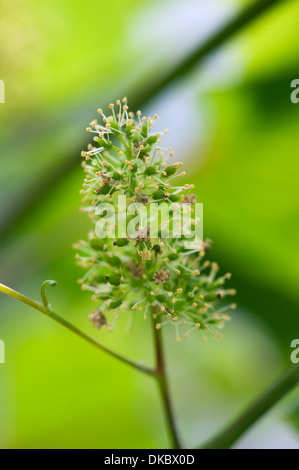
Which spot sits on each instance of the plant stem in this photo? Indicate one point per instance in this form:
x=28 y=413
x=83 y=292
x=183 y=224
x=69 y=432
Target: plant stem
x=288 y=380
x=163 y=386
x=225 y=439
x=159 y=372
x=37 y=306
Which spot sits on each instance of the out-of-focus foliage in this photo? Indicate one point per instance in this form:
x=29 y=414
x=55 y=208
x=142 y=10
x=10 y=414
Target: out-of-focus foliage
x=253 y=164
x=59 y=60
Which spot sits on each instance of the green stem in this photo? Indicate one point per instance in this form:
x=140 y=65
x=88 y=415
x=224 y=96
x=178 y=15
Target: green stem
x=284 y=384
x=163 y=386
x=159 y=372
x=37 y=306
x=225 y=439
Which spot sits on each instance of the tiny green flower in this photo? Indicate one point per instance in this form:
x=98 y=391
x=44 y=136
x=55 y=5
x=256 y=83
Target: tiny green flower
x=159 y=273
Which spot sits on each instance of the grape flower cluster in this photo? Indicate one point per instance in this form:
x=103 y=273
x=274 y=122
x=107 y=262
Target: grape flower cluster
x=162 y=277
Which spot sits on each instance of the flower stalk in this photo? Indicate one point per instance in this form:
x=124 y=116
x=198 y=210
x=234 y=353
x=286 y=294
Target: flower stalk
x=163 y=386
x=58 y=319
x=158 y=372
x=226 y=438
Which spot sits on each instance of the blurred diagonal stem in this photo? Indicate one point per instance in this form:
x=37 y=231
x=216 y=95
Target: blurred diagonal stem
x=139 y=98
x=46 y=311
x=272 y=395
x=253 y=11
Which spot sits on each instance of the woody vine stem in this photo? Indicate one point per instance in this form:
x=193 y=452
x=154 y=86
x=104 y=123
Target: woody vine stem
x=163 y=385
x=159 y=372
x=227 y=437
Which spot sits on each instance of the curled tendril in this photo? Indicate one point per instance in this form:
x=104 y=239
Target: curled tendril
x=43 y=293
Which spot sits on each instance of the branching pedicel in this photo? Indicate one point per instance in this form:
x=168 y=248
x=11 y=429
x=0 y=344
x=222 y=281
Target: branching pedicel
x=161 y=276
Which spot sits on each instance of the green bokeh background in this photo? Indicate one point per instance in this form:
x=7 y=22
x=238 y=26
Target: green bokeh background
x=238 y=134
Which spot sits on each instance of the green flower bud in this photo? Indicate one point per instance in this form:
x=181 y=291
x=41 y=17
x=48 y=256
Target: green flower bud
x=152 y=139
x=158 y=194
x=115 y=303
x=150 y=170
x=170 y=170
x=174 y=198
x=113 y=279
x=97 y=244
x=116 y=176
x=121 y=242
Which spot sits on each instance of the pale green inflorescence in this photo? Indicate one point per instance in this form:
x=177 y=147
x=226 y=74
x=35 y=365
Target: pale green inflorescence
x=157 y=276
